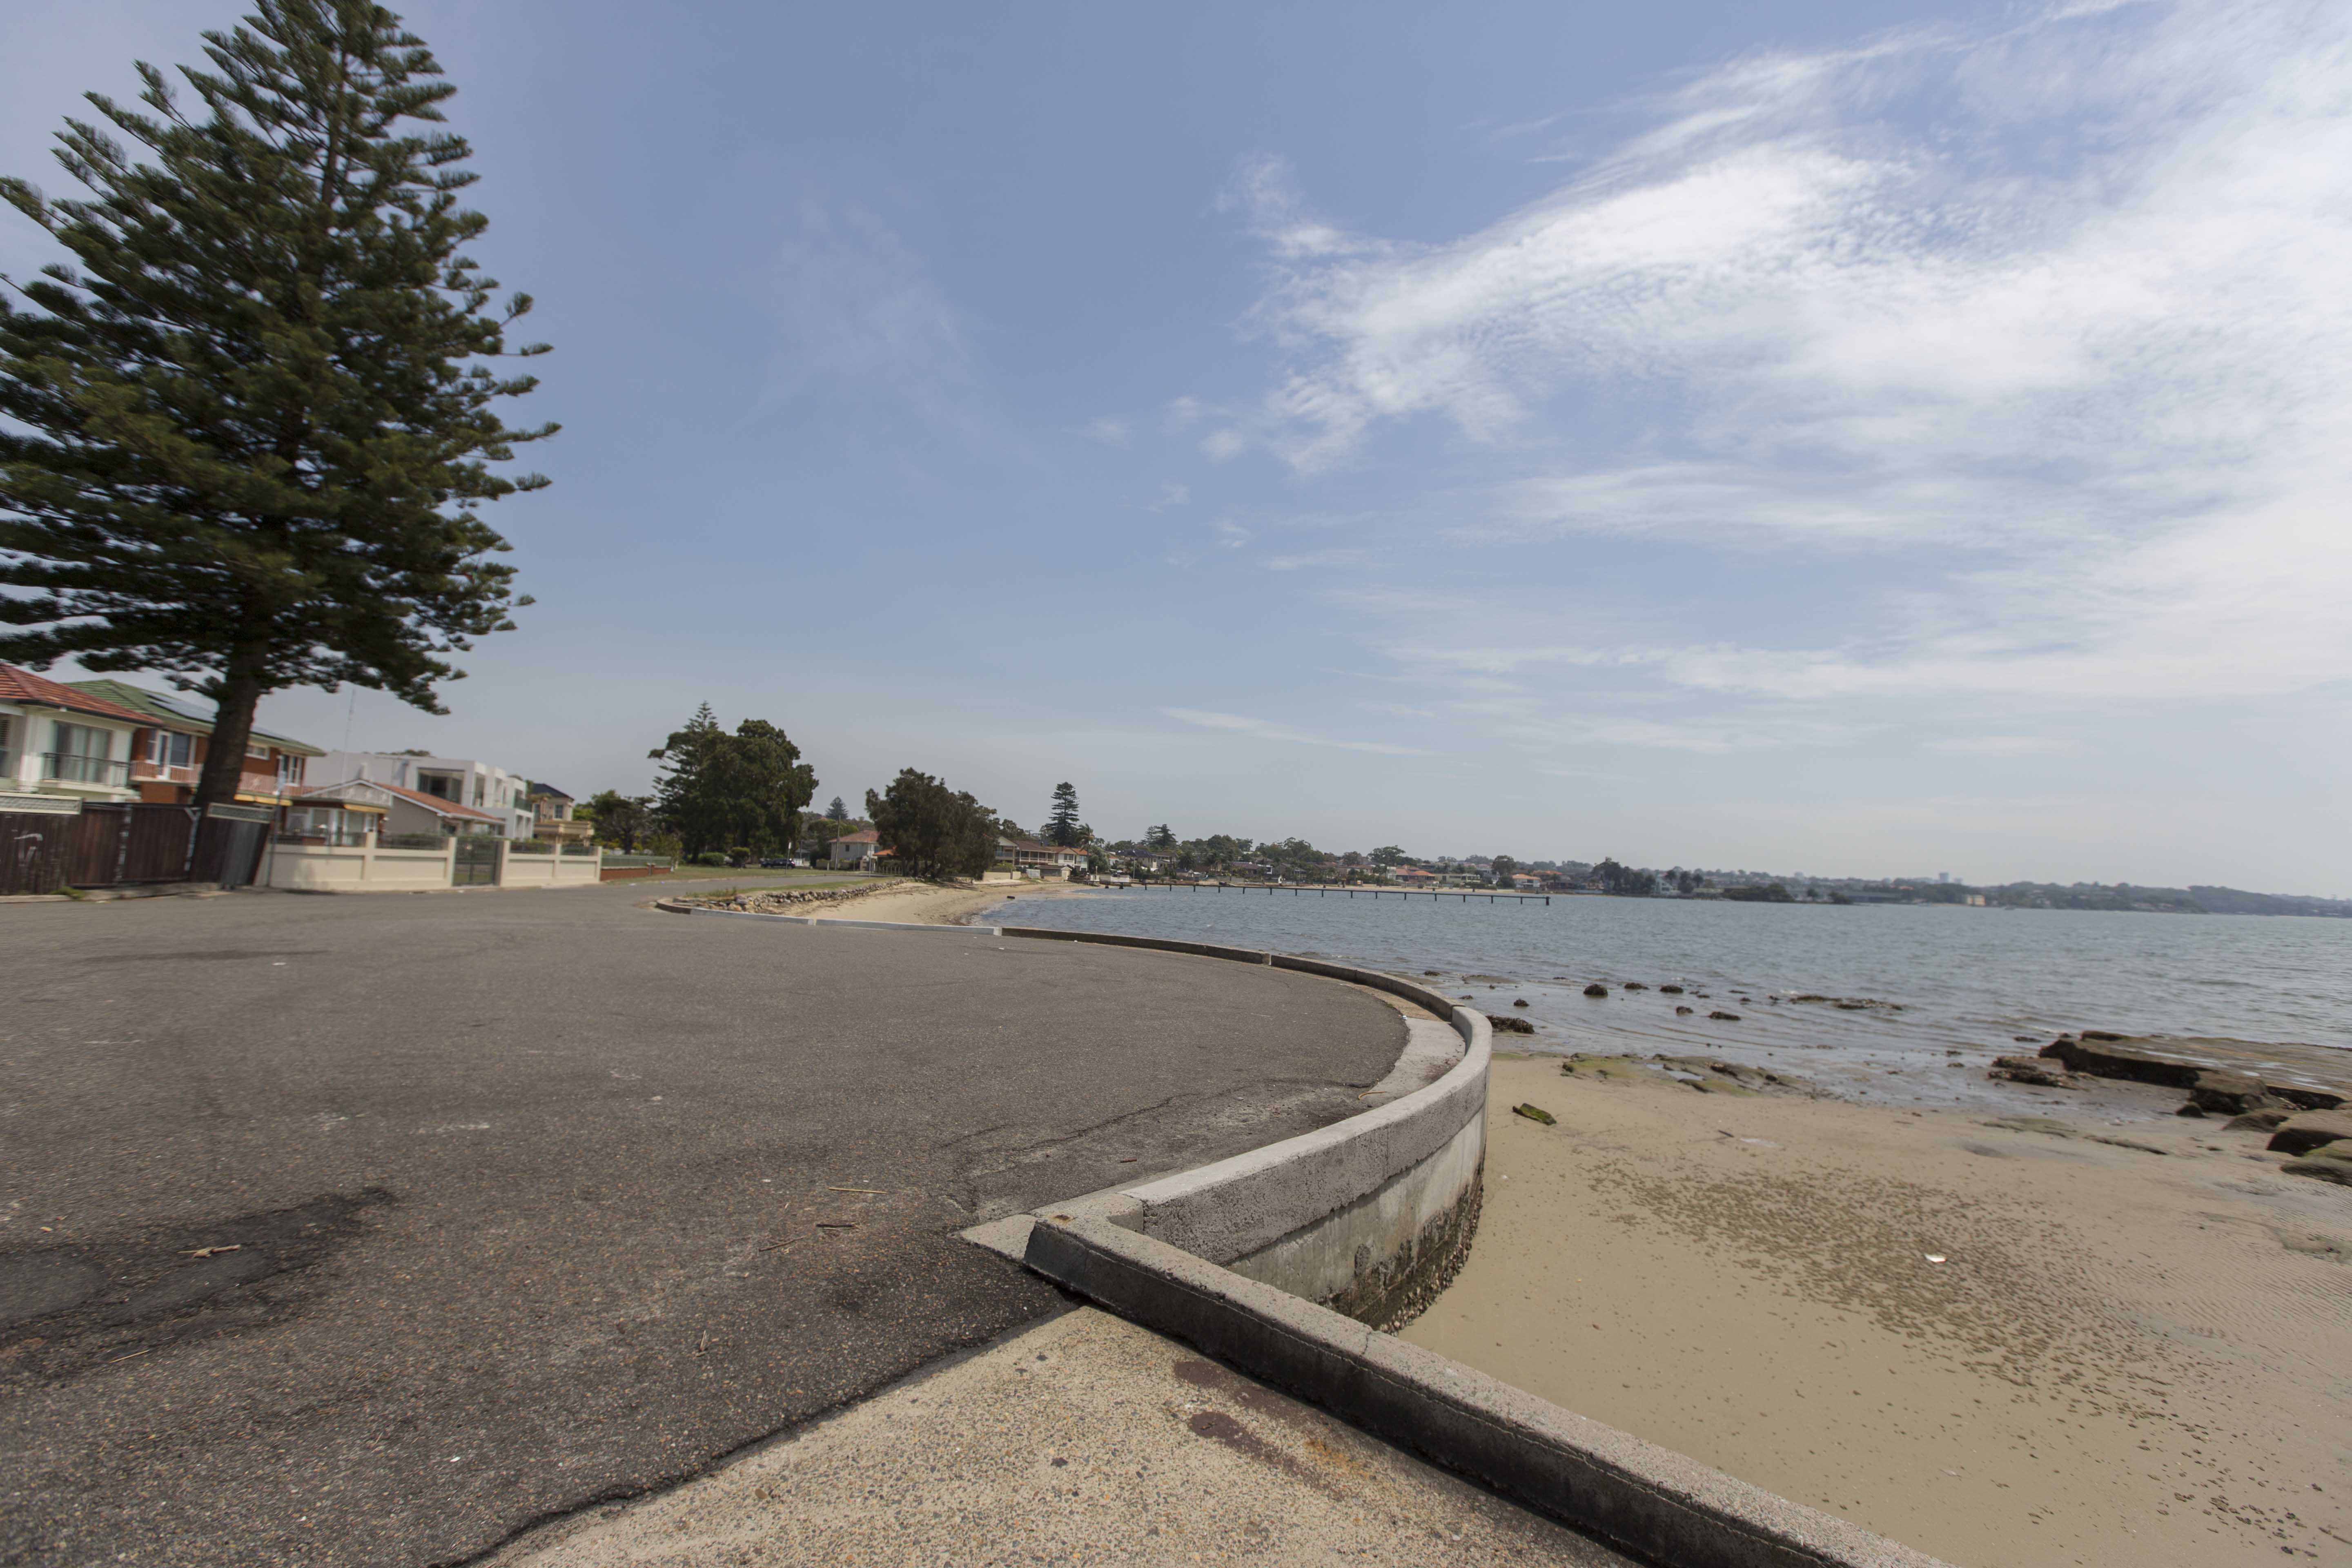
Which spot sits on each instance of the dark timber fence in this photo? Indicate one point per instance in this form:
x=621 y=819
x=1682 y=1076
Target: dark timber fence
x=110 y=844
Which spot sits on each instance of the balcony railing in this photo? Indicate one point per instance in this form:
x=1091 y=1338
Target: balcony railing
x=179 y=773
x=72 y=769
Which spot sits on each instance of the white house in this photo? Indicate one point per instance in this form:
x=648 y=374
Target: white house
x=505 y=796
x=59 y=747
x=856 y=849
x=343 y=813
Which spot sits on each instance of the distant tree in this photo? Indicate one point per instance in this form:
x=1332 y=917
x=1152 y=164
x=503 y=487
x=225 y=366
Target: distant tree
x=1162 y=838
x=931 y=831
x=621 y=819
x=245 y=431
x=838 y=811
x=1062 y=825
x=1624 y=880
x=1502 y=868
x=739 y=791
x=1388 y=854
x=1766 y=893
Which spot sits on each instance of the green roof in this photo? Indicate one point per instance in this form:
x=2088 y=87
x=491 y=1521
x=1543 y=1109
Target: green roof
x=181 y=714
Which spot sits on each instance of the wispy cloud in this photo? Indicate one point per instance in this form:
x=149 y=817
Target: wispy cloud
x=2054 y=310
x=2008 y=746
x=854 y=299
x=1262 y=730
x=1109 y=432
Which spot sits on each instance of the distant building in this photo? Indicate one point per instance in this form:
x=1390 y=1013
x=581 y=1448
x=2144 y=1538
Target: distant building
x=479 y=785
x=340 y=813
x=858 y=851
x=550 y=814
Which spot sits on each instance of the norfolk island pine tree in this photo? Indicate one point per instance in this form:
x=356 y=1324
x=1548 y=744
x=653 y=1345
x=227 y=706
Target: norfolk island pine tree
x=252 y=419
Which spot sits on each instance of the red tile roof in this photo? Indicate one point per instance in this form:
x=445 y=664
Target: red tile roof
x=429 y=802
x=23 y=686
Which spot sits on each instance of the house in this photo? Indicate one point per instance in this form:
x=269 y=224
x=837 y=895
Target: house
x=1043 y=859
x=1413 y=877
x=460 y=780
x=550 y=814
x=60 y=746
x=342 y=813
x=857 y=850
x=168 y=755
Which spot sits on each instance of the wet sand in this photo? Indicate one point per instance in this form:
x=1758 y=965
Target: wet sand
x=2125 y=1357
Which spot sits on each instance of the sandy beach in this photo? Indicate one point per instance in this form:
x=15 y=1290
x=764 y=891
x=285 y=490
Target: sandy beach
x=2133 y=1352
x=922 y=903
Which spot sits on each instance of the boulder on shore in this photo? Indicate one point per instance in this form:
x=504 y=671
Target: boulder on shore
x=2312 y=1129
x=2332 y=1164
x=1596 y=989
x=2221 y=1092
x=1506 y=1023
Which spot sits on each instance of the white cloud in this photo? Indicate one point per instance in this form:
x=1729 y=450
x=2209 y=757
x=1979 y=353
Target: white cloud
x=1111 y=432
x=2008 y=746
x=2058 y=310
x=1260 y=730
x=853 y=299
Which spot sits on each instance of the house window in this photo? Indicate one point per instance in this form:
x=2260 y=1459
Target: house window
x=293 y=766
x=478 y=790
x=170 y=749
x=257 y=749
x=84 y=741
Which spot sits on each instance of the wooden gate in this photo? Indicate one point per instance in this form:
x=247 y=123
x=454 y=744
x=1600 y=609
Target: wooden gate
x=36 y=850
x=229 y=844
x=476 y=862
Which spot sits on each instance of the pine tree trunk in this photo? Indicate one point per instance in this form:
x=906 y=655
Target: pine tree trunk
x=240 y=694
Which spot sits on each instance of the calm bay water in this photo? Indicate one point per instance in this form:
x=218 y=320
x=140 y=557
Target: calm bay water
x=1965 y=979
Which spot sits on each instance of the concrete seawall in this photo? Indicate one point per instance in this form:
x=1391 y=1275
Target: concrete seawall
x=1371 y=1217
x=1287 y=1262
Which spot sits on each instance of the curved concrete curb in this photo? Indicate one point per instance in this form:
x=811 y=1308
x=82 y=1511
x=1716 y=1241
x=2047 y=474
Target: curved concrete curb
x=1373 y=1216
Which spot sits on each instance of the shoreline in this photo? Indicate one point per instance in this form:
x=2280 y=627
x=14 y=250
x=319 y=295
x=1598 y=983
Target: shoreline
x=2131 y=1351
x=915 y=903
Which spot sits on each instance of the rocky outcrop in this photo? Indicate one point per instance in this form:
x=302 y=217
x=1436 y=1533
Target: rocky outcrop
x=2217 y=1073
x=1712 y=1072
x=2312 y=1129
x=1504 y=1024
x=2332 y=1164
x=1596 y=989
x=2041 y=1072
x=2220 y=1093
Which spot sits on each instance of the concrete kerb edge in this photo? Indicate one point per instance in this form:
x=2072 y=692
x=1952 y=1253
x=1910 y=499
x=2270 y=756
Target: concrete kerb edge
x=1633 y=1495
x=1119 y=1248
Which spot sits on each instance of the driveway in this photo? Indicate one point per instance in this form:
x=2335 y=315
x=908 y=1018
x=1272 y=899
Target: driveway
x=371 y=1229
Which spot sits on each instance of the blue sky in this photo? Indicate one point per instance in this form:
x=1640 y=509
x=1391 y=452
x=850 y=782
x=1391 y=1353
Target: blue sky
x=1847 y=437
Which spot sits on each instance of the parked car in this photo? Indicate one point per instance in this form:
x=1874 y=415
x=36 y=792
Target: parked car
x=773 y=864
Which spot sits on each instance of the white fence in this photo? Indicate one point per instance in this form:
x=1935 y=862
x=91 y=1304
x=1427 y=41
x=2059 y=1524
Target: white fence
x=364 y=868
